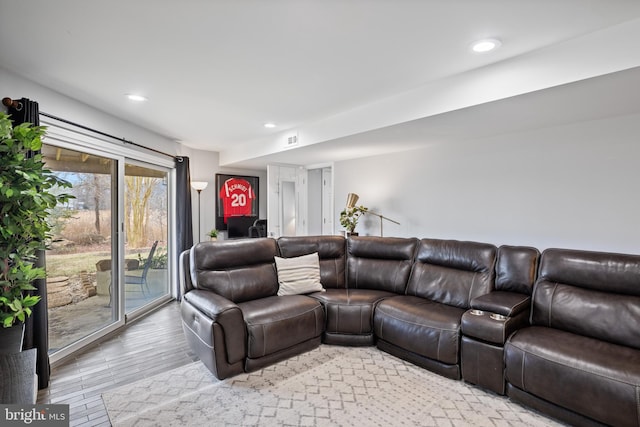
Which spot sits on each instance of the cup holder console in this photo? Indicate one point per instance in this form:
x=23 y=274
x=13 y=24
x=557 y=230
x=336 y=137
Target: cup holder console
x=494 y=316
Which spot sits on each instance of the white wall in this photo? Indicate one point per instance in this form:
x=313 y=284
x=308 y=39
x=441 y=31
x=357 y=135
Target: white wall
x=59 y=105
x=203 y=164
x=574 y=186
x=593 y=54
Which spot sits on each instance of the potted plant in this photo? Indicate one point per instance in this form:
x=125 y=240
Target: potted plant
x=349 y=218
x=213 y=234
x=26 y=199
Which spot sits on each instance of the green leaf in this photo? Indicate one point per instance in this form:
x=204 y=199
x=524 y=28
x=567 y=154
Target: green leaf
x=30 y=301
x=16 y=305
x=25 y=202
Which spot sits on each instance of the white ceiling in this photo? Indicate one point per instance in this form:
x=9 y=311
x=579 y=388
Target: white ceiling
x=216 y=71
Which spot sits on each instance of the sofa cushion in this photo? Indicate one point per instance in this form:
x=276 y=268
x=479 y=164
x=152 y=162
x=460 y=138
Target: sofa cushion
x=594 y=294
x=381 y=263
x=331 y=251
x=350 y=311
x=585 y=375
x=276 y=323
x=298 y=275
x=602 y=315
x=221 y=266
x=516 y=268
x=452 y=272
x=424 y=327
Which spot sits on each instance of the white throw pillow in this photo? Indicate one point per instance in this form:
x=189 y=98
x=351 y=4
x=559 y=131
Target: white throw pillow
x=299 y=275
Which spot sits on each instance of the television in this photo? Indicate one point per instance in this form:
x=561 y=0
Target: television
x=238 y=226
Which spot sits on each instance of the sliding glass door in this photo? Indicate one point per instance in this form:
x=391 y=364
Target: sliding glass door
x=108 y=261
x=146 y=224
x=81 y=259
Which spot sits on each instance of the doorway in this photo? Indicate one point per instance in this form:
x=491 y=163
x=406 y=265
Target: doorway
x=299 y=200
x=320 y=196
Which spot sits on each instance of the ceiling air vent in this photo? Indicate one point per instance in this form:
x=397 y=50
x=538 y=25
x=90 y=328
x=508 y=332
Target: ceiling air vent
x=292 y=140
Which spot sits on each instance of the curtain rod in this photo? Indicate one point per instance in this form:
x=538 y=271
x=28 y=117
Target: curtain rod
x=8 y=102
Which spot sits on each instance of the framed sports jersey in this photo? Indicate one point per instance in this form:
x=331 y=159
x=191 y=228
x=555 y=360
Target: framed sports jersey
x=237 y=197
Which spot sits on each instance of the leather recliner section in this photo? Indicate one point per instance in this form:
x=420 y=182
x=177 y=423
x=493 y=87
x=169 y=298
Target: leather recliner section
x=377 y=268
x=231 y=315
x=426 y=321
x=276 y=323
x=331 y=252
x=582 y=351
x=570 y=370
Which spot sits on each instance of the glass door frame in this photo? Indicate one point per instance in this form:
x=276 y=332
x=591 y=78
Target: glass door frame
x=67 y=137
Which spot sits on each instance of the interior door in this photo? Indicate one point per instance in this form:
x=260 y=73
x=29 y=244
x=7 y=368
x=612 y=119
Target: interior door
x=286 y=200
x=327 y=201
x=299 y=200
x=320 y=201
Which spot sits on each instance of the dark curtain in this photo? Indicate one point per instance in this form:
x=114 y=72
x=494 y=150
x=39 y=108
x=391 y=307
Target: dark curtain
x=36 y=331
x=184 y=223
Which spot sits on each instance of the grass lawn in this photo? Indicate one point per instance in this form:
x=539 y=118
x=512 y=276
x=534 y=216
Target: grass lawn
x=71 y=264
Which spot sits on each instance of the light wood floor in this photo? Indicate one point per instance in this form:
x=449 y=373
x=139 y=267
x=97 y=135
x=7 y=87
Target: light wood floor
x=149 y=346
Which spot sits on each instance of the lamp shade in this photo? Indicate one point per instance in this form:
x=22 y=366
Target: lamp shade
x=199 y=185
x=352 y=199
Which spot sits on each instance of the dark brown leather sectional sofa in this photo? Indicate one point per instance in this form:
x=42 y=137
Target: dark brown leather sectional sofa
x=559 y=332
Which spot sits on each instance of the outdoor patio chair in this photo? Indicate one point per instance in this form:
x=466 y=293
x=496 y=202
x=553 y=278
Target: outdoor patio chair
x=142 y=278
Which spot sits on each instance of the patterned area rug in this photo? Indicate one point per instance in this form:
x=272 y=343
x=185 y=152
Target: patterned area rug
x=329 y=386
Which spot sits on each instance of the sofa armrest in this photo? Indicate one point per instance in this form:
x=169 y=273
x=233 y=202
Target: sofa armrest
x=217 y=310
x=184 y=273
x=211 y=304
x=492 y=328
x=504 y=303
x=495 y=316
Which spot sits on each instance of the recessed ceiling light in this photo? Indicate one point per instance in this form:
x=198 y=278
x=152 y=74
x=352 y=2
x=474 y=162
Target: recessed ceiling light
x=485 y=45
x=136 y=98
x=269 y=125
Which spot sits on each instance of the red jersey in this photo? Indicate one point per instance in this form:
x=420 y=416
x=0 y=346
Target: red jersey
x=237 y=198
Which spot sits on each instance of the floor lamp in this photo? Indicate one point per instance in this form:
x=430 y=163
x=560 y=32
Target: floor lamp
x=199 y=186
x=352 y=199
x=381 y=218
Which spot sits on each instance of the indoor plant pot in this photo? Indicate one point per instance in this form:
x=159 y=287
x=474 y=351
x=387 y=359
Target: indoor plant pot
x=349 y=218
x=11 y=338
